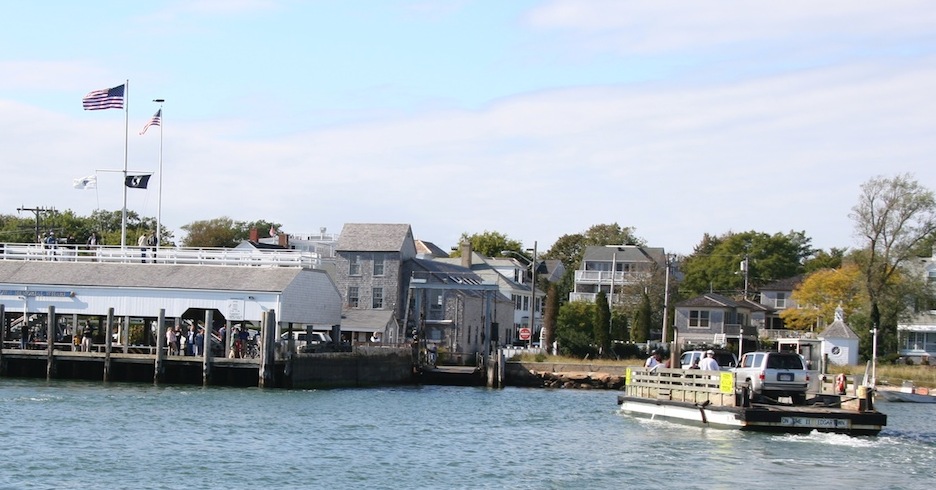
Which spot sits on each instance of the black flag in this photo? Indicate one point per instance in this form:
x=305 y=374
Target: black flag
x=137 y=181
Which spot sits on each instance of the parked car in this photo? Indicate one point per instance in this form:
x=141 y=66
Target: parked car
x=774 y=375
x=318 y=342
x=726 y=360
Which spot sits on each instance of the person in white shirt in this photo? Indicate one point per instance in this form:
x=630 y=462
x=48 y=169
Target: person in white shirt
x=709 y=363
x=655 y=360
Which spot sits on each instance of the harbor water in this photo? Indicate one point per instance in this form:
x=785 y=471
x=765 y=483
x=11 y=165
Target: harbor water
x=66 y=434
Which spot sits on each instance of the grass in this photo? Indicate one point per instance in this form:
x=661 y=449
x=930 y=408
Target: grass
x=887 y=375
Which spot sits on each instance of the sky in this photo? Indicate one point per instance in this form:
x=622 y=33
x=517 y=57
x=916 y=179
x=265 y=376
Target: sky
x=535 y=119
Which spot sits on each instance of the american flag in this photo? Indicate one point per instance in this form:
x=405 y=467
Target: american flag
x=154 y=121
x=108 y=98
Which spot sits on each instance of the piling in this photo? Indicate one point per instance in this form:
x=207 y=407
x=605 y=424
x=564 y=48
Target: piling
x=206 y=348
x=158 y=368
x=50 y=344
x=3 y=336
x=108 y=343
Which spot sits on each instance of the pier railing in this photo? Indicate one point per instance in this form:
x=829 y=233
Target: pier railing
x=162 y=255
x=682 y=385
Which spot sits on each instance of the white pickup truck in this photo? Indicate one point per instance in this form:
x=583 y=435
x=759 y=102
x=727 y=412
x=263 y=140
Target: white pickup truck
x=774 y=375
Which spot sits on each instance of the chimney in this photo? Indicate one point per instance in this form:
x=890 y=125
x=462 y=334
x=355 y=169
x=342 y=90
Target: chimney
x=254 y=235
x=284 y=240
x=465 y=254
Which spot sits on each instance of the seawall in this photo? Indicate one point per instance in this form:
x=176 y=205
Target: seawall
x=366 y=366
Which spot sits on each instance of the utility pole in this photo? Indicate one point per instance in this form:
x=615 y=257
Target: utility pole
x=37 y=212
x=533 y=299
x=666 y=259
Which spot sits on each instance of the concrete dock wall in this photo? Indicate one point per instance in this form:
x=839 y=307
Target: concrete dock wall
x=366 y=366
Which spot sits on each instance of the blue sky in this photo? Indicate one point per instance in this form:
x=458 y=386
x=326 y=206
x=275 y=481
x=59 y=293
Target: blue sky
x=531 y=118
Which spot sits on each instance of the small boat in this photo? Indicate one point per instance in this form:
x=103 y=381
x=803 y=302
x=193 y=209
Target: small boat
x=907 y=393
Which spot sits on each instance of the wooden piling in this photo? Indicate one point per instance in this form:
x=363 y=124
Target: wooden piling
x=158 y=367
x=206 y=357
x=50 y=344
x=3 y=336
x=268 y=336
x=108 y=343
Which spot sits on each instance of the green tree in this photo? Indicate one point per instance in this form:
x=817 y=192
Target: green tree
x=574 y=327
x=15 y=229
x=715 y=264
x=222 y=232
x=824 y=260
x=490 y=244
x=893 y=216
x=641 y=331
x=602 y=325
x=217 y=232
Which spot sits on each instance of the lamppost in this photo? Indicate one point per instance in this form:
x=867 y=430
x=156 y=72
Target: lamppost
x=532 y=266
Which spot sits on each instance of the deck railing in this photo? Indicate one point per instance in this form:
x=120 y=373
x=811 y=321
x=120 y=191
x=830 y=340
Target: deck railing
x=162 y=255
x=682 y=385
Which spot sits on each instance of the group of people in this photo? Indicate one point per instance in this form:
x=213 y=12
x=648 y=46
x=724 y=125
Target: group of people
x=146 y=242
x=707 y=363
x=192 y=341
x=188 y=343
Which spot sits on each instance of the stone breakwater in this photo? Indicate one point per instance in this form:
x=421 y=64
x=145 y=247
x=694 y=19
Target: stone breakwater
x=564 y=375
x=580 y=380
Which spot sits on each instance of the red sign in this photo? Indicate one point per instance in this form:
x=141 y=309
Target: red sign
x=525 y=333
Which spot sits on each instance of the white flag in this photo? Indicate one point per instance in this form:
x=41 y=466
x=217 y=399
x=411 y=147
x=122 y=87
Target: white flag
x=89 y=182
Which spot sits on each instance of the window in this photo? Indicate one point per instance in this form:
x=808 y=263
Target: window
x=355 y=265
x=378 y=298
x=353 y=296
x=517 y=301
x=698 y=319
x=378 y=266
x=780 y=302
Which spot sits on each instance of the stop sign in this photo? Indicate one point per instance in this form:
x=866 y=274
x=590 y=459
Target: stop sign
x=525 y=333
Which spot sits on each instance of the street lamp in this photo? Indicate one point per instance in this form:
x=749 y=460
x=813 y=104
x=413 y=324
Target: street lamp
x=532 y=266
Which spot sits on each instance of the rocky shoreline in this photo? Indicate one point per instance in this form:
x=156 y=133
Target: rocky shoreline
x=581 y=380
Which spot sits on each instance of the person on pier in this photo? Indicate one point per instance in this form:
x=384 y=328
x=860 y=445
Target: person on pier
x=86 y=336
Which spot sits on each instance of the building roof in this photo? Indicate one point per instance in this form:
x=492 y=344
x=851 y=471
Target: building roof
x=787 y=284
x=838 y=330
x=154 y=276
x=375 y=237
x=625 y=253
x=713 y=300
x=261 y=245
x=366 y=320
x=428 y=248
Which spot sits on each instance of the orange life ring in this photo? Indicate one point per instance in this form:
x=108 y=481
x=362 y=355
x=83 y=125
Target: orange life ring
x=840 y=384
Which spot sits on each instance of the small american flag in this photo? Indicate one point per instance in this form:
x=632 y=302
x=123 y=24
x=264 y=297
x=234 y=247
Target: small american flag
x=109 y=98
x=156 y=120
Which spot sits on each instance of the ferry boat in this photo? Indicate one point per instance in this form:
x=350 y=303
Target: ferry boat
x=712 y=399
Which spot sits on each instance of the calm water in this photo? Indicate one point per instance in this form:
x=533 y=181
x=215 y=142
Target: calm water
x=89 y=435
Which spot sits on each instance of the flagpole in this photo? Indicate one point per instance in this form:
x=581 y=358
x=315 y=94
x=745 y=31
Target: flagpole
x=123 y=211
x=159 y=196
